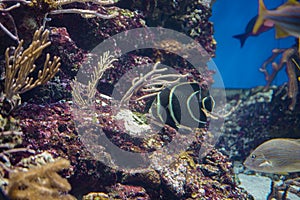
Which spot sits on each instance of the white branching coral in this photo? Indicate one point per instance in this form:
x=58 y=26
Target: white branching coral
x=83 y=95
x=151 y=83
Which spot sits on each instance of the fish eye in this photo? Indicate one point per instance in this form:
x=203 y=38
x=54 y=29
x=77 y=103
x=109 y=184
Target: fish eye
x=253 y=156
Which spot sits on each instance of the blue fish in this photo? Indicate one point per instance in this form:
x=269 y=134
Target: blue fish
x=248 y=30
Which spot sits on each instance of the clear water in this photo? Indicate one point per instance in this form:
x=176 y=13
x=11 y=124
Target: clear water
x=239 y=66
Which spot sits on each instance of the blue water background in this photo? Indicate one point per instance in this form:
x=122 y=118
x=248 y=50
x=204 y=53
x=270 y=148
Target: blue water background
x=239 y=67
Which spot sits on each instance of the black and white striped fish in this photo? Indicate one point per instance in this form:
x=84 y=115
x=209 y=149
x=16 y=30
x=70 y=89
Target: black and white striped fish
x=182 y=105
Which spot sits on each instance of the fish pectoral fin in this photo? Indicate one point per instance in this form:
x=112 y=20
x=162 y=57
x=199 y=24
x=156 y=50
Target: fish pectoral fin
x=266 y=163
x=280 y=33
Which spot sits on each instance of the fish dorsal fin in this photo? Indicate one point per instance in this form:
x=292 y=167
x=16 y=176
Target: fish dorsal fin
x=288 y=3
x=297 y=141
x=292 y=2
x=280 y=33
x=260 y=19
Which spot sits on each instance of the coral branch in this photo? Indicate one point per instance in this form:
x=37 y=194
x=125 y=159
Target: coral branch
x=152 y=82
x=289 y=59
x=292 y=84
x=5 y=13
x=8 y=141
x=83 y=13
x=99 y=2
x=280 y=191
x=40 y=182
x=21 y=64
x=104 y=63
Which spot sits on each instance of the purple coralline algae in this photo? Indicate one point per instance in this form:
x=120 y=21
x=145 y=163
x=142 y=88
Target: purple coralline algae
x=51 y=122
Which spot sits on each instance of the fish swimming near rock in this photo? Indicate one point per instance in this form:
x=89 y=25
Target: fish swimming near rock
x=248 y=30
x=279 y=155
x=183 y=105
x=286 y=19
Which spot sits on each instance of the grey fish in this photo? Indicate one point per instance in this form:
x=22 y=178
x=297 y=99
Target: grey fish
x=279 y=155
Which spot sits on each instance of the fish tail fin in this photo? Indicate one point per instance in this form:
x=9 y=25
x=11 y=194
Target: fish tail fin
x=242 y=38
x=260 y=18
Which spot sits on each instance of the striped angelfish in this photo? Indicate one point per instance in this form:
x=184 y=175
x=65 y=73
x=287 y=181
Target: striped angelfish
x=182 y=105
